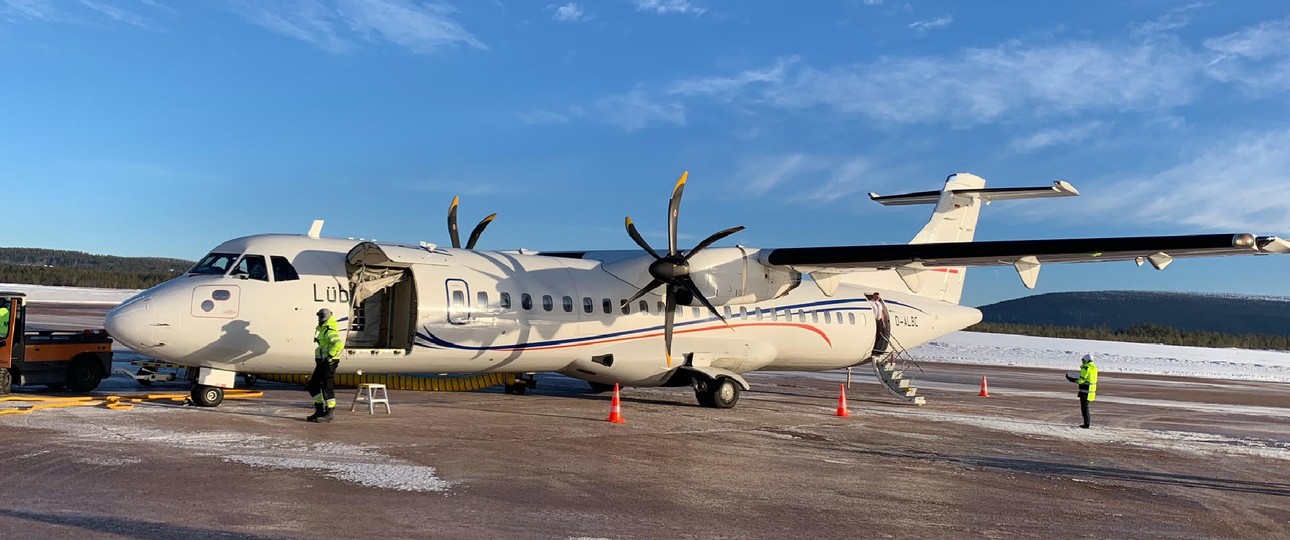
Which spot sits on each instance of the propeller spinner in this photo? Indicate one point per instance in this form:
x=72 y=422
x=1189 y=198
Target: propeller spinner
x=474 y=235
x=673 y=270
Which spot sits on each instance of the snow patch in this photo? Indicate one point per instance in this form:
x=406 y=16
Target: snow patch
x=45 y=294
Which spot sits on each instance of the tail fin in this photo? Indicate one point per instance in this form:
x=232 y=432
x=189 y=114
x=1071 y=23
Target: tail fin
x=958 y=206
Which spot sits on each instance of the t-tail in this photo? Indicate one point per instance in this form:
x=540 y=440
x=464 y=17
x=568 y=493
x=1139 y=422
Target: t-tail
x=958 y=205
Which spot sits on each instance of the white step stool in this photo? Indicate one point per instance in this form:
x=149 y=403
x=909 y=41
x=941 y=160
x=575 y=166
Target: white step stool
x=370 y=390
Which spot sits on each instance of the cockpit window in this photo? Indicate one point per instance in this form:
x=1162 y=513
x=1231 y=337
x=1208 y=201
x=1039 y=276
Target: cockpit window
x=214 y=264
x=282 y=269
x=253 y=267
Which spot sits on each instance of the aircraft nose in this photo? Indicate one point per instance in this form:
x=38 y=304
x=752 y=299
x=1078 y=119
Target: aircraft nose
x=131 y=323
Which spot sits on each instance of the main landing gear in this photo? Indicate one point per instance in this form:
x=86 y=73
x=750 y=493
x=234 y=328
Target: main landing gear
x=719 y=393
x=207 y=396
x=522 y=384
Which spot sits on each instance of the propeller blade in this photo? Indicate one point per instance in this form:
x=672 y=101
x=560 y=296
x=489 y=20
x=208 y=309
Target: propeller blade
x=673 y=211
x=669 y=317
x=694 y=290
x=653 y=284
x=636 y=235
x=479 y=229
x=452 y=223
x=711 y=239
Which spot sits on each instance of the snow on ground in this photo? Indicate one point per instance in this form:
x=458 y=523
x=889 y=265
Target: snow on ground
x=1111 y=356
x=345 y=462
x=70 y=295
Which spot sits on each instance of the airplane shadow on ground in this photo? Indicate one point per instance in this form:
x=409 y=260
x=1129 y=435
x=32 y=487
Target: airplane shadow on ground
x=1092 y=472
x=130 y=528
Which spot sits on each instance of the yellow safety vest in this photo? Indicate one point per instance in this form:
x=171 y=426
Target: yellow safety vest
x=1088 y=380
x=4 y=322
x=328 y=339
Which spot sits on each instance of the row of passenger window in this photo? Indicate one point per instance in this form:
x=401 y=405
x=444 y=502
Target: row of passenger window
x=607 y=306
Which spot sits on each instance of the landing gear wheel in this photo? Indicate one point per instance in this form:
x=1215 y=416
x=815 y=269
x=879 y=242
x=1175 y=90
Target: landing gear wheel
x=518 y=388
x=207 y=396
x=249 y=379
x=724 y=393
x=83 y=375
x=6 y=381
x=599 y=388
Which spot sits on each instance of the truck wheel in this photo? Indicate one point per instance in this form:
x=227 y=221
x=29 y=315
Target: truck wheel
x=6 y=381
x=207 y=396
x=83 y=374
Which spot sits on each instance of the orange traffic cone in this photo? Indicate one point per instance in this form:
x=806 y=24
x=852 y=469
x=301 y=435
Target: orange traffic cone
x=842 y=400
x=985 y=392
x=615 y=410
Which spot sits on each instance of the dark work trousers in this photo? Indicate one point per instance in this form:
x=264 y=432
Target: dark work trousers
x=1083 y=408
x=323 y=379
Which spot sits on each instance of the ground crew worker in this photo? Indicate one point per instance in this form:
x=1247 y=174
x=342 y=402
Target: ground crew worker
x=4 y=322
x=1087 y=382
x=322 y=384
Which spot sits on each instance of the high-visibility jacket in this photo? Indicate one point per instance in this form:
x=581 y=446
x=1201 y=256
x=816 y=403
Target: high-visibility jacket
x=4 y=322
x=328 y=339
x=1088 y=380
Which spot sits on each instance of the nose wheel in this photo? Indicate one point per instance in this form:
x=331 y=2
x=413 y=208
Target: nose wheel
x=207 y=396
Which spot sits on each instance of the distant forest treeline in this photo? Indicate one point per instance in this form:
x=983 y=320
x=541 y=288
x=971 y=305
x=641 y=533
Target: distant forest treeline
x=36 y=266
x=1143 y=333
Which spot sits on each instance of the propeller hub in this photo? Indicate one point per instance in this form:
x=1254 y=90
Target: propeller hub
x=669 y=269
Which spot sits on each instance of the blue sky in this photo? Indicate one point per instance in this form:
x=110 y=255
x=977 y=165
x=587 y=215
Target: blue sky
x=162 y=127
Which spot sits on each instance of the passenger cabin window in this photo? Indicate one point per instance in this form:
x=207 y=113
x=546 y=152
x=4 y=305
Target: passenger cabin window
x=607 y=305
x=282 y=269
x=214 y=264
x=743 y=313
x=505 y=300
x=851 y=318
x=458 y=299
x=526 y=301
x=645 y=307
x=481 y=300
x=828 y=317
x=548 y=303
x=252 y=267
x=626 y=307
x=727 y=310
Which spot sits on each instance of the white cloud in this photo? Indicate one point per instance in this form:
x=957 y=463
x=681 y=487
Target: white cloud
x=417 y=26
x=636 y=110
x=932 y=24
x=728 y=87
x=814 y=179
x=1257 y=57
x=569 y=12
x=665 y=7
x=542 y=116
x=1238 y=186
x=35 y=10
x=116 y=13
x=1054 y=137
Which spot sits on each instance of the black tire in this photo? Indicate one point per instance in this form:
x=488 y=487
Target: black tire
x=702 y=392
x=83 y=374
x=725 y=393
x=599 y=388
x=6 y=381
x=207 y=396
x=519 y=388
x=249 y=379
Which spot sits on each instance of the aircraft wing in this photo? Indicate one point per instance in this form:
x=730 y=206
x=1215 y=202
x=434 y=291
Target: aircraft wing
x=1025 y=255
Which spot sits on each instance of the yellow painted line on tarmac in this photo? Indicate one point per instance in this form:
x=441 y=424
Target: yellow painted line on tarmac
x=118 y=402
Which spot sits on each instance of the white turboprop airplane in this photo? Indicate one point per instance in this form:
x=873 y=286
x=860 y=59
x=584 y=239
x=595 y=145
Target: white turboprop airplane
x=249 y=306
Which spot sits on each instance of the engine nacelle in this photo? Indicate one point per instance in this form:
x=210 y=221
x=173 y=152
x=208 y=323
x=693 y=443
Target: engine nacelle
x=733 y=276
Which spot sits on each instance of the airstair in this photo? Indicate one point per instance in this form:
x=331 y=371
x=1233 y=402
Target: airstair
x=892 y=364
x=896 y=371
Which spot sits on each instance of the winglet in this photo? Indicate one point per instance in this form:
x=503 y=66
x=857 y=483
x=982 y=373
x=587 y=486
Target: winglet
x=315 y=230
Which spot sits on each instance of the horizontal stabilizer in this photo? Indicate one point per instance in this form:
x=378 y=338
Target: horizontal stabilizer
x=1059 y=188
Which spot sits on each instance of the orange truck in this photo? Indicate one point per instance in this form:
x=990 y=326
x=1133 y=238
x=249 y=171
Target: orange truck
x=75 y=360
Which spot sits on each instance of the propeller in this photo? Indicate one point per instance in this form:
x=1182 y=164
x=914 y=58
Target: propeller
x=474 y=235
x=673 y=270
